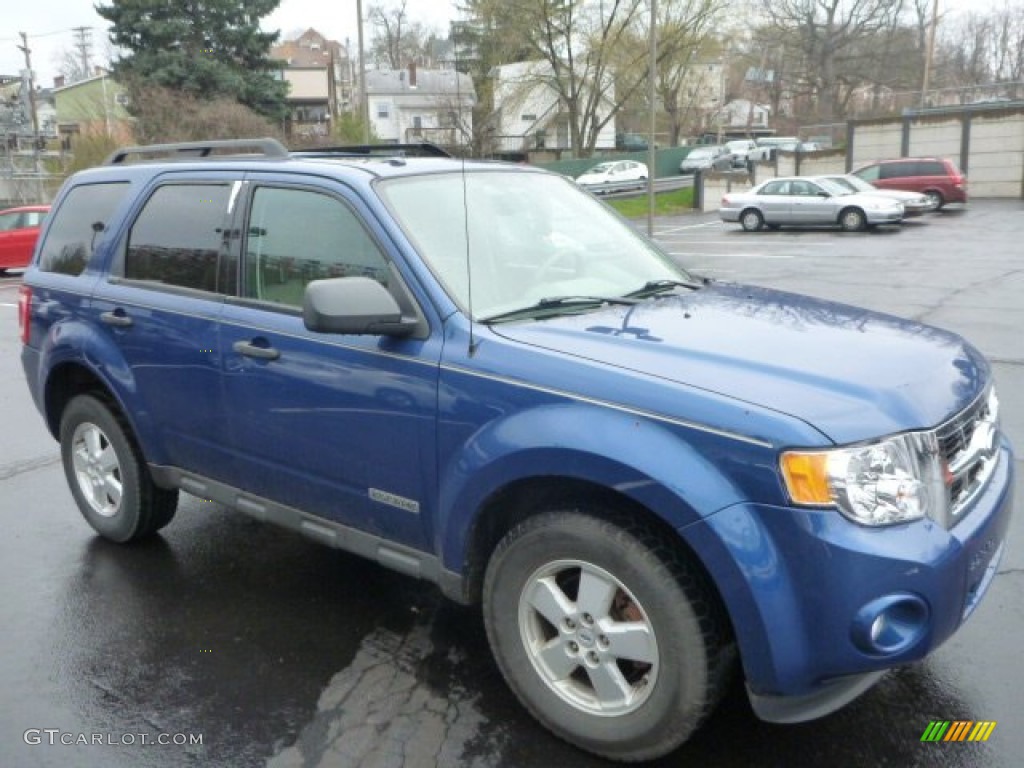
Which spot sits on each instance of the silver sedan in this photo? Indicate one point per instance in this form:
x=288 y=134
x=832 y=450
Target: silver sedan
x=798 y=201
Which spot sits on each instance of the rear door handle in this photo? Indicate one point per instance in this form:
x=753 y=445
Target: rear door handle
x=249 y=349
x=116 y=318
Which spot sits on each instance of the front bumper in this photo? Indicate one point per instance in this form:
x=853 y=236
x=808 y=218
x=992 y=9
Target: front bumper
x=804 y=588
x=884 y=217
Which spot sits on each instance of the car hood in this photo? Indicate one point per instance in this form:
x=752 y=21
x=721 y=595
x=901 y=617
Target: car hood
x=851 y=373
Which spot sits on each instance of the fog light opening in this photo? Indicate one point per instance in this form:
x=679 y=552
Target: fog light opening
x=890 y=625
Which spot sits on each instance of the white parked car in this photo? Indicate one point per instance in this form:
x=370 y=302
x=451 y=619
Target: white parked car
x=799 y=201
x=914 y=203
x=613 y=173
x=740 y=149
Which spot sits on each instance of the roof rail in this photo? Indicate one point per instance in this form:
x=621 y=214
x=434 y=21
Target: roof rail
x=420 y=149
x=191 y=150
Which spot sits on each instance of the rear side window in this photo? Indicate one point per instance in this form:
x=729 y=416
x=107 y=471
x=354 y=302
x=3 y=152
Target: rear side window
x=78 y=225
x=178 y=239
x=931 y=168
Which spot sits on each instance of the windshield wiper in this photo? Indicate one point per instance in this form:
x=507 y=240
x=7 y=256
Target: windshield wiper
x=555 y=303
x=652 y=287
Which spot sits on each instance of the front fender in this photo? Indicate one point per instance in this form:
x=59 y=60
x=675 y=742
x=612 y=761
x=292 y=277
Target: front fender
x=659 y=465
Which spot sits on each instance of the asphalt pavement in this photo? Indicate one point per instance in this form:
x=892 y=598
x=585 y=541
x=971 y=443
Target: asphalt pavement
x=240 y=644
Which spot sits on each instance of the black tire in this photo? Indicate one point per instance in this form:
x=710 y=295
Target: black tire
x=751 y=220
x=107 y=474
x=634 y=577
x=852 y=220
x=936 y=197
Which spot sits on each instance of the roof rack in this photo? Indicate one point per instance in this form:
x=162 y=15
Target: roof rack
x=419 y=149
x=191 y=150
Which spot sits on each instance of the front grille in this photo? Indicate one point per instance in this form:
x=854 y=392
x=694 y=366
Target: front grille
x=968 y=445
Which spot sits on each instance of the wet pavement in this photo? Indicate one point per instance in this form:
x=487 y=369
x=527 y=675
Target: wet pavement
x=273 y=649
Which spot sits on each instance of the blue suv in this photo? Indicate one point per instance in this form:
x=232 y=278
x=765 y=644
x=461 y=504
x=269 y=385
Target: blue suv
x=479 y=375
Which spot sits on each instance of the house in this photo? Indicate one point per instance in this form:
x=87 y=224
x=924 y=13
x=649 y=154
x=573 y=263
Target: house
x=91 y=107
x=411 y=105
x=740 y=115
x=319 y=76
x=530 y=113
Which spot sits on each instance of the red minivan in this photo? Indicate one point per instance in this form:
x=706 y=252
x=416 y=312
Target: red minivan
x=19 y=230
x=938 y=178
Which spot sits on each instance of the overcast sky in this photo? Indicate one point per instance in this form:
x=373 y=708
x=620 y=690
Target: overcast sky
x=49 y=23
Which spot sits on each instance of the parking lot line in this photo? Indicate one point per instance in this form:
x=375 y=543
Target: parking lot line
x=733 y=255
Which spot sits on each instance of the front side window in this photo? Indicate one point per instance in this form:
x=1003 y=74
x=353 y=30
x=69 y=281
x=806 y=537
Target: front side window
x=178 y=239
x=871 y=173
x=78 y=227
x=295 y=236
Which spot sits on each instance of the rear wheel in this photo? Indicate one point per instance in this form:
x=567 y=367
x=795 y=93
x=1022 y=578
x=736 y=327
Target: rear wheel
x=935 y=198
x=852 y=220
x=751 y=220
x=107 y=475
x=610 y=639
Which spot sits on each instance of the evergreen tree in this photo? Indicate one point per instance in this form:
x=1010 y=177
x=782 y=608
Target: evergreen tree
x=206 y=48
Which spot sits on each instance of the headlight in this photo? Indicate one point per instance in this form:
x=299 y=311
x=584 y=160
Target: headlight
x=891 y=481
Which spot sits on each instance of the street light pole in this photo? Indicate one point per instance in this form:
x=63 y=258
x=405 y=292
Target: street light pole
x=929 y=53
x=364 y=108
x=652 y=154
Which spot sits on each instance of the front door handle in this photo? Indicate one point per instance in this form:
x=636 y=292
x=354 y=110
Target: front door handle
x=252 y=350
x=116 y=318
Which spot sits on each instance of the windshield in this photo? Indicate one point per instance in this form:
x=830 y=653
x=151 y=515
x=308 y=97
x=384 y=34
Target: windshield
x=834 y=188
x=531 y=236
x=852 y=183
x=602 y=168
x=702 y=152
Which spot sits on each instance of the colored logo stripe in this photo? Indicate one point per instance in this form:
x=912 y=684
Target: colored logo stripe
x=958 y=730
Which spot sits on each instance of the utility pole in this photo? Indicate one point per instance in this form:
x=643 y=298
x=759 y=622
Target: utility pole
x=83 y=44
x=32 y=108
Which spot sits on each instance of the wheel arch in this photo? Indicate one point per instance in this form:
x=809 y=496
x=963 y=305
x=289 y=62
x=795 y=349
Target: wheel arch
x=670 y=485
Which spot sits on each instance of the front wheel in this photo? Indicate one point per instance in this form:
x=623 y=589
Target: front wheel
x=852 y=220
x=609 y=638
x=107 y=475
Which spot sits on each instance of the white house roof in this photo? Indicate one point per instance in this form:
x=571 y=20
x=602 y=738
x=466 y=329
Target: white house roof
x=429 y=82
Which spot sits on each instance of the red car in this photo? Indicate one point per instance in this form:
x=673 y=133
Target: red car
x=936 y=178
x=19 y=229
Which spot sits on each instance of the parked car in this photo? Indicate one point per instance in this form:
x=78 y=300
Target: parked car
x=706 y=157
x=765 y=147
x=631 y=142
x=613 y=174
x=740 y=149
x=914 y=203
x=799 y=201
x=938 y=178
x=649 y=481
x=19 y=230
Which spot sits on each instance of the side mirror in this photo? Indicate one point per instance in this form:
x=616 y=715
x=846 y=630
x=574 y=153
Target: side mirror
x=823 y=193
x=354 y=305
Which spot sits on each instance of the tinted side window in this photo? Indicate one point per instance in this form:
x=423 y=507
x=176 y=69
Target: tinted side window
x=72 y=236
x=8 y=221
x=930 y=168
x=296 y=236
x=177 y=238
x=898 y=170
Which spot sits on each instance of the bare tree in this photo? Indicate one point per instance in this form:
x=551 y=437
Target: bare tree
x=396 y=40
x=824 y=35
